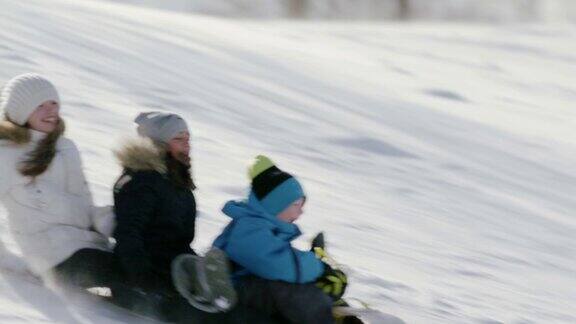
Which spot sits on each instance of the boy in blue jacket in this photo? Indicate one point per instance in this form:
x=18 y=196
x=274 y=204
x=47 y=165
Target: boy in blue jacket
x=270 y=274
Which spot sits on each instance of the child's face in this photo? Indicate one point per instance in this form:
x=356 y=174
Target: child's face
x=293 y=211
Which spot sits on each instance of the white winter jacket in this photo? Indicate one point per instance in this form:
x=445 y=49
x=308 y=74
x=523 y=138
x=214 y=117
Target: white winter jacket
x=51 y=216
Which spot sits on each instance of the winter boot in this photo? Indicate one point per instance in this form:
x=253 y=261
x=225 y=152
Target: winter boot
x=205 y=281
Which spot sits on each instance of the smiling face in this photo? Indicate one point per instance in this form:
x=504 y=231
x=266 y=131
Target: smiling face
x=179 y=147
x=293 y=212
x=45 y=118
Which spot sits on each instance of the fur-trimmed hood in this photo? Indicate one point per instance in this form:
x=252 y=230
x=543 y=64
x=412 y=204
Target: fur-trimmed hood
x=13 y=133
x=141 y=154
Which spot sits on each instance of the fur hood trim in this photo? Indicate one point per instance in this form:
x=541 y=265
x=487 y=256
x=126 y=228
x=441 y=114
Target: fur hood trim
x=14 y=133
x=141 y=154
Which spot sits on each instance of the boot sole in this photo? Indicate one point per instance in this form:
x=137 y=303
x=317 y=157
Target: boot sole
x=205 y=281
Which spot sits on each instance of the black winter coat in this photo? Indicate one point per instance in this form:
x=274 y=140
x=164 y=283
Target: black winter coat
x=155 y=223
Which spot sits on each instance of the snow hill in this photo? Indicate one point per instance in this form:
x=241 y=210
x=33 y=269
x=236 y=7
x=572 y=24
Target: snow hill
x=439 y=159
x=439 y=10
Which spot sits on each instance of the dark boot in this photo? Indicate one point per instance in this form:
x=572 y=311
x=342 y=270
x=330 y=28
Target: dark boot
x=205 y=281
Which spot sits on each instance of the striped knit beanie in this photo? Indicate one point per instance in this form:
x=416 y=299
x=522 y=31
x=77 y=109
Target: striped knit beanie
x=23 y=94
x=275 y=189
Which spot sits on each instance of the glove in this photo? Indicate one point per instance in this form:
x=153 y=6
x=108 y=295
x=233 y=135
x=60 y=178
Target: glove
x=333 y=282
x=321 y=254
x=318 y=246
x=318 y=241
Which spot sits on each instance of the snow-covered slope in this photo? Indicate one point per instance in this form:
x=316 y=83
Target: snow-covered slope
x=444 y=10
x=439 y=159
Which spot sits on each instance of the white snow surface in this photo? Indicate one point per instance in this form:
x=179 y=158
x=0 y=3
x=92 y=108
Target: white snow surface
x=440 y=159
x=445 y=10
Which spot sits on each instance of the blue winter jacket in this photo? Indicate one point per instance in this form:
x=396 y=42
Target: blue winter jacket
x=259 y=244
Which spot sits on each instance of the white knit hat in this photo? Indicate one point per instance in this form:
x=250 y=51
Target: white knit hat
x=23 y=94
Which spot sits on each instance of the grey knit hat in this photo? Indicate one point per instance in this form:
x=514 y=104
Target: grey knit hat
x=23 y=94
x=159 y=126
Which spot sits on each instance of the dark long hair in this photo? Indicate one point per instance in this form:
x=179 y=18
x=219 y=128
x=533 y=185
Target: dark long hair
x=180 y=171
x=38 y=160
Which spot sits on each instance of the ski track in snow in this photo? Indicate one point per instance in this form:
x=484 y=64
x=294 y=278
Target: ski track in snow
x=439 y=159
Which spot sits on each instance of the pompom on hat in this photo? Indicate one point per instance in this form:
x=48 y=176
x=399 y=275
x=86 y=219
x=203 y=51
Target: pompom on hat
x=23 y=94
x=275 y=189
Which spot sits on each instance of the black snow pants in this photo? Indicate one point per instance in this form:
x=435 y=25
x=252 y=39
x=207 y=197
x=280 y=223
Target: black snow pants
x=295 y=303
x=88 y=268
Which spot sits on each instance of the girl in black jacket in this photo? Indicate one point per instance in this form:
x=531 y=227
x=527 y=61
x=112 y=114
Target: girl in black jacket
x=155 y=220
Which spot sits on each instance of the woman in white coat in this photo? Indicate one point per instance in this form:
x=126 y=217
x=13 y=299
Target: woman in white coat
x=42 y=186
